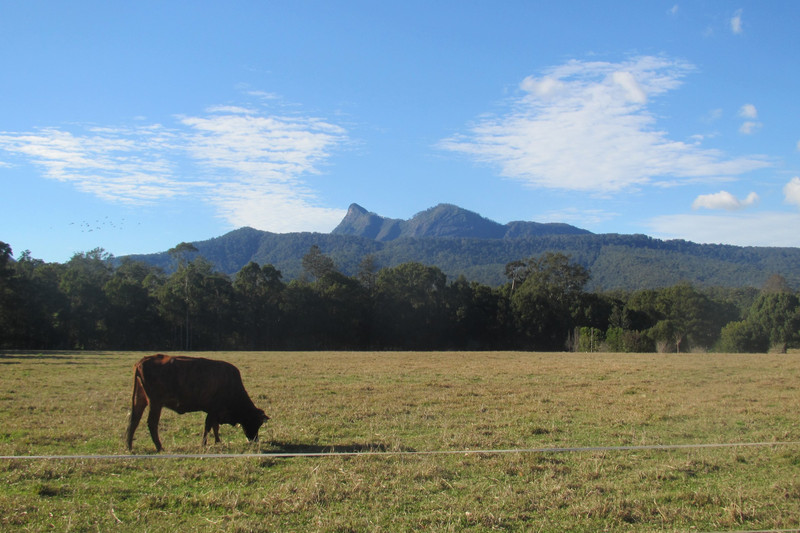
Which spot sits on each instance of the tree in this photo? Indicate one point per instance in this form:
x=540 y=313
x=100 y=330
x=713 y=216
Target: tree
x=317 y=264
x=680 y=317
x=410 y=307
x=345 y=304
x=474 y=310
x=777 y=316
x=213 y=311
x=516 y=272
x=82 y=283
x=44 y=309
x=367 y=274
x=776 y=283
x=10 y=296
x=258 y=291
x=546 y=301
x=132 y=320
x=180 y=254
x=743 y=337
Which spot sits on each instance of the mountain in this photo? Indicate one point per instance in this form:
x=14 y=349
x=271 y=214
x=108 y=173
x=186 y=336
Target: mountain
x=444 y=220
x=461 y=242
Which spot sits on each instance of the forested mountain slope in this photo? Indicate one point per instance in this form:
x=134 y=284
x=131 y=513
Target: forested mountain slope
x=463 y=243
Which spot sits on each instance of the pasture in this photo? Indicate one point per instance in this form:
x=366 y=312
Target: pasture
x=65 y=403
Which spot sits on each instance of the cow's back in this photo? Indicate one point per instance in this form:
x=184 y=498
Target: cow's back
x=186 y=384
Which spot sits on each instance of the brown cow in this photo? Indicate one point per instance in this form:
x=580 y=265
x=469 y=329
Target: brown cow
x=186 y=384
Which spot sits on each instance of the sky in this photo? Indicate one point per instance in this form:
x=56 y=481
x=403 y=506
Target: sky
x=134 y=126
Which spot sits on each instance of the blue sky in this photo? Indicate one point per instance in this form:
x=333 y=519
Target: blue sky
x=134 y=126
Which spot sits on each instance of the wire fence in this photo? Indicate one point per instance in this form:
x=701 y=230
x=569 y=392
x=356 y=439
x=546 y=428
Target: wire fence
x=388 y=453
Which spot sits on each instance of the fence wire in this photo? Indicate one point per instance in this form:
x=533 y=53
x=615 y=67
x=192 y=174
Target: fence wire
x=399 y=453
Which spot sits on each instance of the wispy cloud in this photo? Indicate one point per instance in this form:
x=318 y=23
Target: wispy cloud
x=123 y=165
x=587 y=126
x=251 y=166
x=749 y=127
x=724 y=200
x=581 y=217
x=736 y=22
x=756 y=229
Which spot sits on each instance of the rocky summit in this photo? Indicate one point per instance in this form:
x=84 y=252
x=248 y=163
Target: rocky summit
x=443 y=220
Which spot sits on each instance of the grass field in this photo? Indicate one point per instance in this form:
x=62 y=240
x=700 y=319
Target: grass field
x=77 y=403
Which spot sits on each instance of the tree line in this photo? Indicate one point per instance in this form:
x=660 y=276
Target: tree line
x=95 y=302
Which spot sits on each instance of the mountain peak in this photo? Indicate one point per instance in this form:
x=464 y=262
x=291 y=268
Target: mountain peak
x=442 y=220
x=359 y=221
x=355 y=210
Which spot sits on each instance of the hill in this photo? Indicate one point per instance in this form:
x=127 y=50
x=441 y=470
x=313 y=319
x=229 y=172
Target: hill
x=444 y=220
x=461 y=242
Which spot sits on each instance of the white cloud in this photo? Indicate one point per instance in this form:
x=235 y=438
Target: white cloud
x=586 y=126
x=258 y=163
x=251 y=166
x=736 y=22
x=749 y=127
x=791 y=191
x=724 y=200
x=580 y=217
x=123 y=165
x=673 y=10
x=756 y=229
x=748 y=111
x=769 y=228
x=633 y=91
x=713 y=115
x=274 y=148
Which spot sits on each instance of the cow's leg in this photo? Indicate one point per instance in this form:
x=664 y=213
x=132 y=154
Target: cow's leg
x=211 y=423
x=138 y=403
x=152 y=423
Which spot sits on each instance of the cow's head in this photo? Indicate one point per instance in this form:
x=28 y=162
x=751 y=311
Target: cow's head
x=253 y=424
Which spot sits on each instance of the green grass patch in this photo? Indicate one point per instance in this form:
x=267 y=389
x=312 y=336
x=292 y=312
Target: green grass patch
x=77 y=403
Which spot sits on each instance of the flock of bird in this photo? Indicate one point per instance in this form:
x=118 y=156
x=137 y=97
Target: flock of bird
x=87 y=226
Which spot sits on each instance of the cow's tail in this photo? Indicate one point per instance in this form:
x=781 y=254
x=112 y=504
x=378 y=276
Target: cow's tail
x=138 y=403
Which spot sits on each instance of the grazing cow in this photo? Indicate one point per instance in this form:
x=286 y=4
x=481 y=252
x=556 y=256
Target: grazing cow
x=186 y=384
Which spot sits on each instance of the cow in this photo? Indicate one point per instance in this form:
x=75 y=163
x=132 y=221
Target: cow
x=186 y=384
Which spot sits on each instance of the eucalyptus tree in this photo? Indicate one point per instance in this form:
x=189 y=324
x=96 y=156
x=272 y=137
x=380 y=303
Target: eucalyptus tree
x=82 y=282
x=475 y=311
x=548 y=298
x=410 y=309
x=683 y=317
x=181 y=255
x=132 y=320
x=10 y=297
x=43 y=308
x=316 y=264
x=197 y=302
x=259 y=294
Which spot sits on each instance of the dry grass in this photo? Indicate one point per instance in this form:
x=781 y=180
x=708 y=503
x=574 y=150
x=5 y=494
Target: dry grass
x=64 y=403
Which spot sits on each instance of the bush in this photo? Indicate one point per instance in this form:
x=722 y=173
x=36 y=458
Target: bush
x=743 y=337
x=626 y=340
